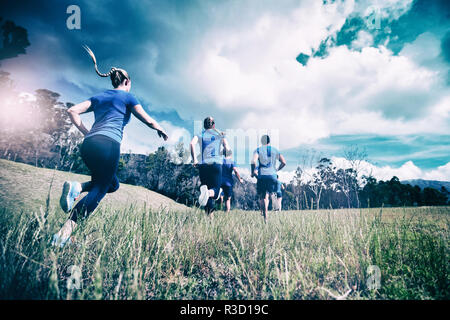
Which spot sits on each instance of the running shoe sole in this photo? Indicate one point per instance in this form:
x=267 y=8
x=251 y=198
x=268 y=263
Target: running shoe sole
x=64 y=201
x=274 y=202
x=204 y=196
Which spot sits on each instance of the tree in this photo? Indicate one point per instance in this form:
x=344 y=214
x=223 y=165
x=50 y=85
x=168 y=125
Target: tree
x=158 y=165
x=181 y=154
x=347 y=183
x=15 y=40
x=433 y=197
x=303 y=177
x=322 y=179
x=356 y=157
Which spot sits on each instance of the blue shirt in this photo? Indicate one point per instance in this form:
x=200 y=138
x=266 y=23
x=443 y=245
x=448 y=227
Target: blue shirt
x=227 y=171
x=112 y=111
x=211 y=140
x=267 y=159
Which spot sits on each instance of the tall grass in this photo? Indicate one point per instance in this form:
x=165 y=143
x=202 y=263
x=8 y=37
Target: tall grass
x=135 y=253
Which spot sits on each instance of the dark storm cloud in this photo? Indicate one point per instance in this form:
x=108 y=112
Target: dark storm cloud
x=119 y=32
x=113 y=28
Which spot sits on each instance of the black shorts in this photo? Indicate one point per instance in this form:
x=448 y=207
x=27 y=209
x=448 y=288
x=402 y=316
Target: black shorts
x=211 y=175
x=227 y=191
x=266 y=184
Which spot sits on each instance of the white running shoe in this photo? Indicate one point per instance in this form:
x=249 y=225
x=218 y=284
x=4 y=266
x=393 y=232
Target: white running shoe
x=274 y=202
x=70 y=192
x=204 y=195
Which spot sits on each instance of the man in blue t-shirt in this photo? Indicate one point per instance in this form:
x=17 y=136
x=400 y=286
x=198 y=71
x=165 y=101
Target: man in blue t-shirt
x=228 y=167
x=266 y=156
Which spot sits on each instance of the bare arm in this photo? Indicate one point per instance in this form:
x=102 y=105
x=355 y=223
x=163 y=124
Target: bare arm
x=74 y=114
x=236 y=172
x=253 y=165
x=282 y=162
x=194 y=141
x=140 y=113
x=225 y=144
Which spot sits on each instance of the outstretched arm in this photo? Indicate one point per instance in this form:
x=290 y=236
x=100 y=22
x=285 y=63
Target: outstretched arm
x=253 y=165
x=236 y=172
x=74 y=114
x=140 y=113
x=194 y=141
x=282 y=163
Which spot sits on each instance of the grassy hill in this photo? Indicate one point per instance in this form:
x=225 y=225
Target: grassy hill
x=141 y=245
x=25 y=187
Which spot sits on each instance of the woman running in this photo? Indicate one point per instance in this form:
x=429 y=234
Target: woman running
x=210 y=166
x=100 y=150
x=228 y=167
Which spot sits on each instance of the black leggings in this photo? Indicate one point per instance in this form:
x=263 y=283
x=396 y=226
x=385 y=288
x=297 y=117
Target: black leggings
x=211 y=175
x=101 y=155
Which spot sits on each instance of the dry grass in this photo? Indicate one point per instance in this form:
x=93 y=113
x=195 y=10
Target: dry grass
x=127 y=251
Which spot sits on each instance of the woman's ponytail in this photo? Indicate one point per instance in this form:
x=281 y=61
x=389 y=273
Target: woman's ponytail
x=117 y=75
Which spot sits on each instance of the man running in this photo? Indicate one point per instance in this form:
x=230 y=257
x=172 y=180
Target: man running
x=210 y=167
x=266 y=156
x=228 y=167
x=100 y=150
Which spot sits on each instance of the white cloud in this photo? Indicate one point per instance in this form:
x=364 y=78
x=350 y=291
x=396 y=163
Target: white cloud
x=442 y=173
x=138 y=138
x=407 y=171
x=364 y=39
x=253 y=73
x=426 y=47
x=386 y=9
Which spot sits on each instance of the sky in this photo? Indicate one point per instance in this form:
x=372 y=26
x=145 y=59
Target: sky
x=315 y=75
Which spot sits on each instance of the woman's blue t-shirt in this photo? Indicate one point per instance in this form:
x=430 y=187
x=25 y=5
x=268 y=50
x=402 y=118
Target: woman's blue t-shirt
x=112 y=111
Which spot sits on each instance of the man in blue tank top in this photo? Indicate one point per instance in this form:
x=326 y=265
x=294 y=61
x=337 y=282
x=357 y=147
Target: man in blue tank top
x=266 y=156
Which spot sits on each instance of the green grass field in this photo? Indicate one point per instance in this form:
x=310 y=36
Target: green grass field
x=141 y=245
